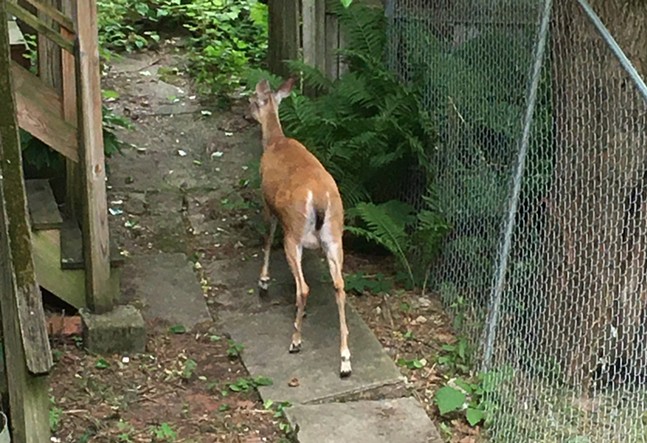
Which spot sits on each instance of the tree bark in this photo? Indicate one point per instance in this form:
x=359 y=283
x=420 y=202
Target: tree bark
x=596 y=290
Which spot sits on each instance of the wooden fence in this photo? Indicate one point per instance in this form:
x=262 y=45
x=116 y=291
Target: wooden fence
x=307 y=30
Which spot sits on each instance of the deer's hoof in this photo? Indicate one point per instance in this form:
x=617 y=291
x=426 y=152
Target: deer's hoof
x=345 y=370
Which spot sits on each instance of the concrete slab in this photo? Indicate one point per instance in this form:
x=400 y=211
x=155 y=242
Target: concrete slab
x=266 y=338
x=264 y=327
x=400 y=420
x=165 y=287
x=239 y=280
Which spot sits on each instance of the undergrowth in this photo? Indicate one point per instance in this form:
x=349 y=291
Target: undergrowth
x=224 y=37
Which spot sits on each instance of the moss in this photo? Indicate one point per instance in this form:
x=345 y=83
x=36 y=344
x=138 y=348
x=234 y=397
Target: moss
x=13 y=186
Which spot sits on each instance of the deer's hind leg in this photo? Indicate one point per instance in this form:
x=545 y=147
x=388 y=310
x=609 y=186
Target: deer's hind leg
x=332 y=245
x=293 y=254
x=264 y=279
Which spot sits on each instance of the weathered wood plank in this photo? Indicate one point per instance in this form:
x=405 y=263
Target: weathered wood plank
x=40 y=26
x=49 y=53
x=284 y=35
x=42 y=205
x=332 y=46
x=313 y=14
x=29 y=304
x=18 y=44
x=73 y=188
x=56 y=15
x=72 y=247
x=38 y=109
x=67 y=285
x=23 y=319
x=95 y=206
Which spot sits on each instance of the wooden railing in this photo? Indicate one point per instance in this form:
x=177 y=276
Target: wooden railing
x=61 y=106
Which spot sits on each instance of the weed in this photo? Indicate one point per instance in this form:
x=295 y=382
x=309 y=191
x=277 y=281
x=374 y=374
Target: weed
x=125 y=431
x=234 y=349
x=469 y=396
x=412 y=363
x=226 y=37
x=456 y=357
x=54 y=415
x=164 y=432
x=360 y=283
x=188 y=369
x=102 y=364
x=249 y=383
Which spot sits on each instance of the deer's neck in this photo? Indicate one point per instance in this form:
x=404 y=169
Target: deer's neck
x=271 y=128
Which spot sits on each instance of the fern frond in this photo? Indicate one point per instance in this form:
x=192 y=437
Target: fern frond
x=312 y=76
x=365 y=28
x=253 y=76
x=384 y=229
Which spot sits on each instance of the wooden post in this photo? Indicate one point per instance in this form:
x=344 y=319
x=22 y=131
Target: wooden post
x=27 y=353
x=96 y=244
x=74 y=184
x=332 y=45
x=284 y=35
x=313 y=15
x=49 y=53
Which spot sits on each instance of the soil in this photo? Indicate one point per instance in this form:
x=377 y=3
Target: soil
x=187 y=183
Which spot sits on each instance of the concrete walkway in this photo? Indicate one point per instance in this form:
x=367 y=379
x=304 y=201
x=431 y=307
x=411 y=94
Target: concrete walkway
x=171 y=171
x=370 y=406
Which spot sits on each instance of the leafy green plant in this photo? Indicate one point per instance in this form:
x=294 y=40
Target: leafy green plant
x=55 y=414
x=188 y=368
x=472 y=397
x=413 y=363
x=360 y=283
x=234 y=349
x=226 y=37
x=164 y=432
x=405 y=234
x=247 y=384
x=456 y=357
x=128 y=25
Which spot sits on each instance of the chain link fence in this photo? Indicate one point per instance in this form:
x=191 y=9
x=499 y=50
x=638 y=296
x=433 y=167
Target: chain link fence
x=542 y=174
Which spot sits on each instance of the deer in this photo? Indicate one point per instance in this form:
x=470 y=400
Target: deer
x=300 y=194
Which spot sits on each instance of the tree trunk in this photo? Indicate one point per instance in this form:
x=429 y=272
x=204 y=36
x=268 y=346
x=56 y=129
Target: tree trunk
x=596 y=289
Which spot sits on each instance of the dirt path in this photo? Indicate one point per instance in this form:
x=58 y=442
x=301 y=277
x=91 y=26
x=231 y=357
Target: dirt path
x=175 y=204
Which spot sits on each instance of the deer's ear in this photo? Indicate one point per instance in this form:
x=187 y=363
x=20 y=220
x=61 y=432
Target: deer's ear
x=263 y=88
x=285 y=89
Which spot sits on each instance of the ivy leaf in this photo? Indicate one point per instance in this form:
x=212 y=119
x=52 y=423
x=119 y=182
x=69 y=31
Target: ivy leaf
x=449 y=399
x=474 y=416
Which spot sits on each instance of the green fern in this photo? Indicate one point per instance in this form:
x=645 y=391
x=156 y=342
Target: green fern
x=386 y=226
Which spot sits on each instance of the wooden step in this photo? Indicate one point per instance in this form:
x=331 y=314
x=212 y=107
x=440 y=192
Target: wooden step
x=45 y=215
x=43 y=209
x=72 y=247
x=68 y=285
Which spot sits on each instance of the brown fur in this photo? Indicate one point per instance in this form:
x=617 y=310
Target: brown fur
x=289 y=175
